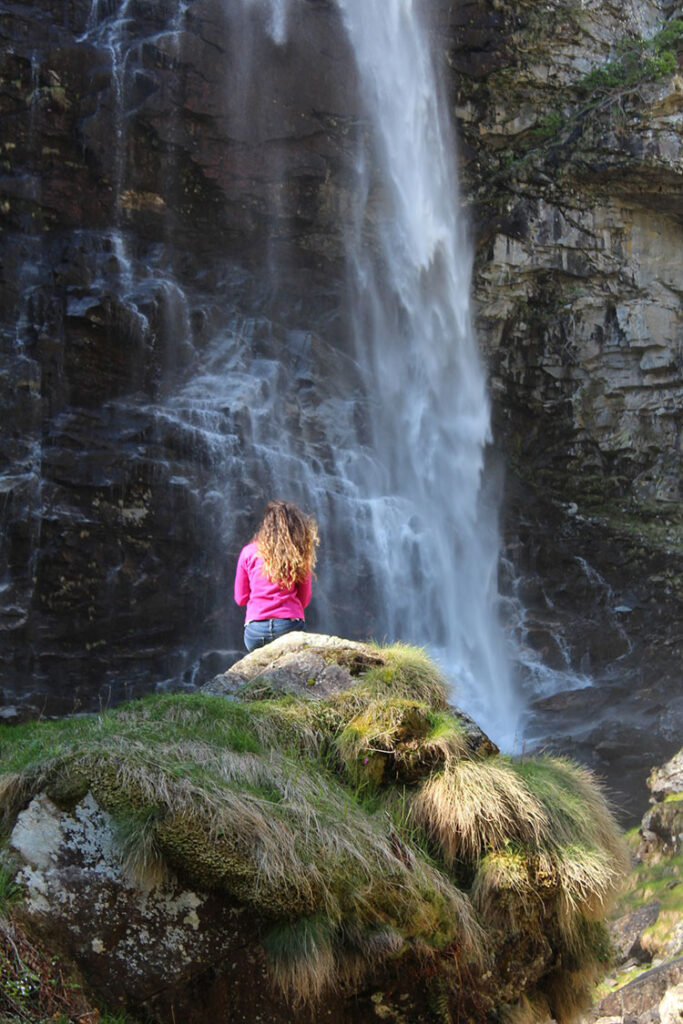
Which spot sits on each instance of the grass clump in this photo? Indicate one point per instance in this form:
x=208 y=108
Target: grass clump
x=359 y=827
x=410 y=671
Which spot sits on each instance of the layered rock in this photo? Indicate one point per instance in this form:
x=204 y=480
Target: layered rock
x=572 y=151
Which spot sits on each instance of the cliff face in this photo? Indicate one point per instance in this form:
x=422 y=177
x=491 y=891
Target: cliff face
x=147 y=196
x=571 y=126
x=145 y=193
x=574 y=152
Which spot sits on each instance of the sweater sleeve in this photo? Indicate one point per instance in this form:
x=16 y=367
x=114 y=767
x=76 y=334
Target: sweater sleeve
x=303 y=591
x=242 y=588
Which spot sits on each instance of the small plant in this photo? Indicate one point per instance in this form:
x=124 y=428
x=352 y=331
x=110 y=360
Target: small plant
x=10 y=891
x=640 y=60
x=549 y=126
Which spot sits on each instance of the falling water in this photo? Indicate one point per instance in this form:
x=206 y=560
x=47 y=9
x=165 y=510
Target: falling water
x=413 y=480
x=414 y=338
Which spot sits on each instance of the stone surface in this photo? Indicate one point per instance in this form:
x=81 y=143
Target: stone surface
x=641 y=995
x=128 y=939
x=671 y=1006
x=626 y=933
x=316 y=665
x=667 y=780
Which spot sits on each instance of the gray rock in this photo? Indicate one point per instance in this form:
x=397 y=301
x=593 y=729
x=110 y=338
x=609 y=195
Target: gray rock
x=640 y=995
x=671 y=1006
x=310 y=664
x=626 y=932
x=128 y=938
x=667 y=780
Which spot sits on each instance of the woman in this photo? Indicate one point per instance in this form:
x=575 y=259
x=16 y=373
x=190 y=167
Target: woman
x=274 y=573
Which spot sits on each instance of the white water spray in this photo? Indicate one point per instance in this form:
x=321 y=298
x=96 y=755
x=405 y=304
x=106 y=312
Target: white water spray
x=436 y=543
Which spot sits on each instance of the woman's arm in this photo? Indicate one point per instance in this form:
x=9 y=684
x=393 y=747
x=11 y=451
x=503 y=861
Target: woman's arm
x=303 y=591
x=242 y=588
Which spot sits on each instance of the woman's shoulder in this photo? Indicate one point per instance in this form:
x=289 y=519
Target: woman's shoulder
x=249 y=552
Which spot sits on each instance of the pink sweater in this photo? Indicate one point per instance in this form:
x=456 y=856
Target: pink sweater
x=263 y=598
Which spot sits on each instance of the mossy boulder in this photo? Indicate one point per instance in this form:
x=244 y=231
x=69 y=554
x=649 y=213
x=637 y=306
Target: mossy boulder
x=359 y=836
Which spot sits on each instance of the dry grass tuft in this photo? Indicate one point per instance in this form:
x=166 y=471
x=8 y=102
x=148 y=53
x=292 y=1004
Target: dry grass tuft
x=527 y=1010
x=407 y=672
x=302 y=959
x=474 y=806
x=576 y=808
x=569 y=991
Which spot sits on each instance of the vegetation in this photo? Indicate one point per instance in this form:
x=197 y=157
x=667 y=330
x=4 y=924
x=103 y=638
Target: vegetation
x=362 y=826
x=600 y=90
x=640 y=60
x=653 y=878
x=35 y=988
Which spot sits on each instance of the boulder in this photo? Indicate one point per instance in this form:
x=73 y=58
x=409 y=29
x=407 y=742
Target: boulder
x=315 y=665
x=626 y=933
x=668 y=779
x=640 y=996
x=662 y=825
x=266 y=854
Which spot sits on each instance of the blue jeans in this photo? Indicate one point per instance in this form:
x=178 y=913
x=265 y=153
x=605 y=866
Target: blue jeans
x=263 y=631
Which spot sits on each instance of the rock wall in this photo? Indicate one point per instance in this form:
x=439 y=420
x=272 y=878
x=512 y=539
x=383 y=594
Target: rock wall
x=571 y=148
x=579 y=277
x=145 y=188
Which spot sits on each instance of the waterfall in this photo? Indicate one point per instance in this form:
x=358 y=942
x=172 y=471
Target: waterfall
x=317 y=346
x=414 y=338
x=415 y=474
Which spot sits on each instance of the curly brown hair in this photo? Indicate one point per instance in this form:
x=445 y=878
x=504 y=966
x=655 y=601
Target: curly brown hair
x=286 y=541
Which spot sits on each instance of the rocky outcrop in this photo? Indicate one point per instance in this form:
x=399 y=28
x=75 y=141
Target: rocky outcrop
x=570 y=120
x=647 y=978
x=315 y=666
x=347 y=847
x=574 y=155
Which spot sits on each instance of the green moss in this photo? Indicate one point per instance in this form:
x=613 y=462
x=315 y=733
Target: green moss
x=661 y=880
